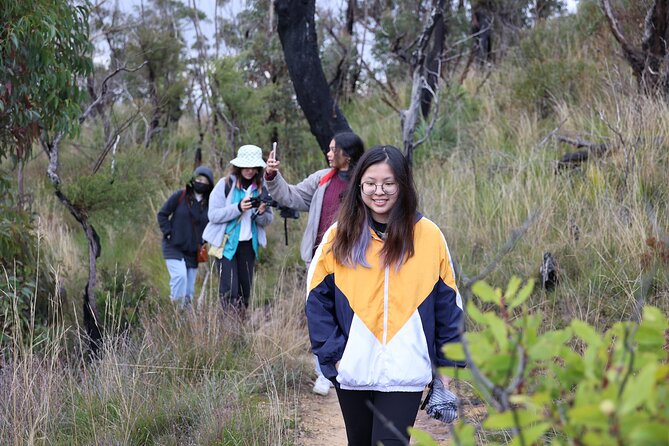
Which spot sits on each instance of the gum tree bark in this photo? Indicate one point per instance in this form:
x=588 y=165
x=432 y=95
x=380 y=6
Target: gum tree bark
x=434 y=58
x=297 y=32
x=649 y=63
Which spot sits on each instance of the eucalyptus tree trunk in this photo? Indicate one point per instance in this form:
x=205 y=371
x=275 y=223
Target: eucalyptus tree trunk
x=90 y=310
x=433 y=62
x=297 y=32
x=650 y=63
x=423 y=83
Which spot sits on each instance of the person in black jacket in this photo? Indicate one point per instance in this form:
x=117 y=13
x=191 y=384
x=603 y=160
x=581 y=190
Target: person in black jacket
x=182 y=218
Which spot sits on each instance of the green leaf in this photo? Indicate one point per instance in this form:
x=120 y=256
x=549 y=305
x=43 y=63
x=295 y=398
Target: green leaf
x=651 y=331
x=653 y=317
x=522 y=296
x=512 y=288
x=486 y=293
x=649 y=433
x=457 y=372
x=530 y=434
x=465 y=434
x=549 y=344
x=586 y=333
x=639 y=390
x=475 y=313
x=480 y=346
x=422 y=438
x=597 y=438
x=588 y=415
x=498 y=329
x=649 y=338
x=505 y=420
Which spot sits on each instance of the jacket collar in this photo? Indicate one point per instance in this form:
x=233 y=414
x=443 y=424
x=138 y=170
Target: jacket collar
x=327 y=177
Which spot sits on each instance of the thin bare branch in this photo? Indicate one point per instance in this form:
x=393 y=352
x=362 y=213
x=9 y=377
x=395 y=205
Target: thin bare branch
x=578 y=142
x=435 y=113
x=484 y=385
x=633 y=55
x=516 y=234
x=104 y=89
x=551 y=134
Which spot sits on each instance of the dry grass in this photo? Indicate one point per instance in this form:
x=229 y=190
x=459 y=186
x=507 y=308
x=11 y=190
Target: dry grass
x=614 y=203
x=208 y=378
x=204 y=377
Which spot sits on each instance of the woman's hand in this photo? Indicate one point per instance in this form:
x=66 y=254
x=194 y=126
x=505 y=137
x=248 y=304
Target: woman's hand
x=272 y=164
x=446 y=380
x=245 y=204
x=262 y=208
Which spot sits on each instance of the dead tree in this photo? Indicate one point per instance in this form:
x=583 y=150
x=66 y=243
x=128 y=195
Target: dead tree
x=434 y=58
x=650 y=63
x=51 y=147
x=346 y=76
x=574 y=159
x=420 y=85
x=297 y=32
x=481 y=29
x=210 y=89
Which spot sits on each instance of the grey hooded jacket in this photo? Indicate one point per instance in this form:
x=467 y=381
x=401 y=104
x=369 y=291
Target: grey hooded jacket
x=304 y=196
x=223 y=211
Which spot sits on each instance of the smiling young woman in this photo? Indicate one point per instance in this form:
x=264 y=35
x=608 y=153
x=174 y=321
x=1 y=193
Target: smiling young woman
x=382 y=301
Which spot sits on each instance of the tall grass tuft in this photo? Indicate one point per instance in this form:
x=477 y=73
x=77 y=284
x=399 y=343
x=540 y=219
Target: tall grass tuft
x=200 y=377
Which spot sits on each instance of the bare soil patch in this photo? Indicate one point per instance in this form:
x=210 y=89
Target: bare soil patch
x=321 y=422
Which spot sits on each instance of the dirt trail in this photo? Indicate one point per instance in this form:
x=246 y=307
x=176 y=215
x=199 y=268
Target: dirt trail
x=321 y=422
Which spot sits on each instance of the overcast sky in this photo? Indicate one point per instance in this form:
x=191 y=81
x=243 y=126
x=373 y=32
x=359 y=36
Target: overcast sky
x=228 y=10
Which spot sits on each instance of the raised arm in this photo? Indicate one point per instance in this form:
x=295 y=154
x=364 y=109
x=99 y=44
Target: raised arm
x=296 y=196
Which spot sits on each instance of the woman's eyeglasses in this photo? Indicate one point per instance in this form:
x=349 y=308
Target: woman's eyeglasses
x=369 y=188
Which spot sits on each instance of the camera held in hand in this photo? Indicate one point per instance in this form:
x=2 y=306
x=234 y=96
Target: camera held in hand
x=255 y=201
x=285 y=212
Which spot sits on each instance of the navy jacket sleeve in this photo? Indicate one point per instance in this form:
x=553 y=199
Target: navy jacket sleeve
x=448 y=309
x=166 y=211
x=327 y=338
x=448 y=321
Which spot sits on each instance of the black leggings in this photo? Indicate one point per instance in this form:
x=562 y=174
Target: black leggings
x=365 y=428
x=236 y=276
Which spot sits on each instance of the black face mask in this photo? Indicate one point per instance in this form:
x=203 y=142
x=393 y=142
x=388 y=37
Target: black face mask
x=201 y=188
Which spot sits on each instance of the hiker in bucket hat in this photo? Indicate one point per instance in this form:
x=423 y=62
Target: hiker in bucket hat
x=236 y=229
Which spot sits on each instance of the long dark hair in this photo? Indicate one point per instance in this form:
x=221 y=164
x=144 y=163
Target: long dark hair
x=351 y=144
x=237 y=172
x=353 y=234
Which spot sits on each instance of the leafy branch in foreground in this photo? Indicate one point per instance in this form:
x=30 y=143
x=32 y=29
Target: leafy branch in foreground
x=568 y=386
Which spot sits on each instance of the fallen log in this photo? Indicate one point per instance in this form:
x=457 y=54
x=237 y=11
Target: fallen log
x=574 y=159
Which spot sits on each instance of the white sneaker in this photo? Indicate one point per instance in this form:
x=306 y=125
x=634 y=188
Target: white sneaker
x=322 y=386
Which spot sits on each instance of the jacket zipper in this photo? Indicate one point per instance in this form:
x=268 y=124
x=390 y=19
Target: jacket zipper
x=385 y=305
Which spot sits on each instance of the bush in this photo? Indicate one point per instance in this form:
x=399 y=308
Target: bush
x=25 y=281
x=120 y=297
x=566 y=386
x=546 y=83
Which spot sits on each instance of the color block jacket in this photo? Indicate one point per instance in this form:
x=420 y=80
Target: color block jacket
x=385 y=327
